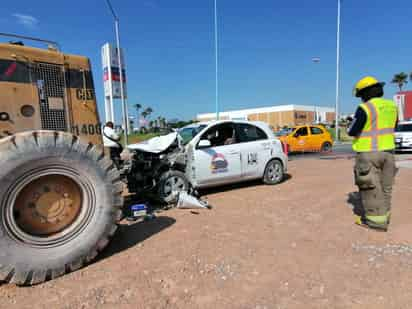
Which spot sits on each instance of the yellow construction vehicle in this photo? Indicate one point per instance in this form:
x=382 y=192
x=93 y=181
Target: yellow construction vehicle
x=60 y=196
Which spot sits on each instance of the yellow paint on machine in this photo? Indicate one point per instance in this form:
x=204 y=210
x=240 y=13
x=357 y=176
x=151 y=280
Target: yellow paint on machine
x=45 y=89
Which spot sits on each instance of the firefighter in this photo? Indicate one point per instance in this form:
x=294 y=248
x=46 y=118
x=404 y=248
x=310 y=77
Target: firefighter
x=373 y=131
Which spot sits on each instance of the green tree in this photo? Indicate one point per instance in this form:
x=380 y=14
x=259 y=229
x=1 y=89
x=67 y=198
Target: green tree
x=400 y=80
x=137 y=107
x=148 y=110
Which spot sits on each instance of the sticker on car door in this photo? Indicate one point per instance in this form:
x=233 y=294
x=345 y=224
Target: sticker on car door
x=252 y=158
x=219 y=164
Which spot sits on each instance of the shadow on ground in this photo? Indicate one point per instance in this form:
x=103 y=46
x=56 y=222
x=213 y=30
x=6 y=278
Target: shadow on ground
x=236 y=186
x=129 y=235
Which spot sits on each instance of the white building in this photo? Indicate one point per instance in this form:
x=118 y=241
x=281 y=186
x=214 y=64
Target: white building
x=278 y=116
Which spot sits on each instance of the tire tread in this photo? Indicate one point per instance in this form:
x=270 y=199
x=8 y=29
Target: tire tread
x=65 y=143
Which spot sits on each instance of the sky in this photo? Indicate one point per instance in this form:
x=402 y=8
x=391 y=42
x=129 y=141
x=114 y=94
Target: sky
x=265 y=48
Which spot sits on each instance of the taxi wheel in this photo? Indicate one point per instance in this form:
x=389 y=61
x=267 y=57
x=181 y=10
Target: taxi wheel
x=170 y=183
x=326 y=147
x=273 y=172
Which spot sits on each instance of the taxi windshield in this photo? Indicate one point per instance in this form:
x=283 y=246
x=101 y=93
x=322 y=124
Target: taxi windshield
x=188 y=133
x=284 y=132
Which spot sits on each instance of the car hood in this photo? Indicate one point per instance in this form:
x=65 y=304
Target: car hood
x=156 y=144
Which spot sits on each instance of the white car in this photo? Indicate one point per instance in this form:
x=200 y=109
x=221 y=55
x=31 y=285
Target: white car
x=403 y=136
x=207 y=154
x=222 y=152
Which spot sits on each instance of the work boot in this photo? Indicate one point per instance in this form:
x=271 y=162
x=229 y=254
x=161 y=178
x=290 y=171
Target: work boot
x=361 y=221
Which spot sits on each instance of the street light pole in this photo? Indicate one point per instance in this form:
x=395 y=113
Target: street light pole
x=337 y=74
x=216 y=65
x=119 y=60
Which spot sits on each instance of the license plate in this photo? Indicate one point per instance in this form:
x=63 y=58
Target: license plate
x=139 y=210
x=139 y=213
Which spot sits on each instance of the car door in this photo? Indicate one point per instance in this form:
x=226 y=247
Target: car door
x=255 y=149
x=218 y=163
x=300 y=139
x=317 y=136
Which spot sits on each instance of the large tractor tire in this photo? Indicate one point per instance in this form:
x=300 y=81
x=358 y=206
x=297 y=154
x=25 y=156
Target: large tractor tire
x=60 y=201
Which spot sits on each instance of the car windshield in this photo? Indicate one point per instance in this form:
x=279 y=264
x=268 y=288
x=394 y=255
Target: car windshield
x=284 y=132
x=188 y=133
x=404 y=127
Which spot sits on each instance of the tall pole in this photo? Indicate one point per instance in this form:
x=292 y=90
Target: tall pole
x=337 y=75
x=216 y=66
x=119 y=60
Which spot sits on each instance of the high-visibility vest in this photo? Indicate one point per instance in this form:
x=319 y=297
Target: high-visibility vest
x=378 y=131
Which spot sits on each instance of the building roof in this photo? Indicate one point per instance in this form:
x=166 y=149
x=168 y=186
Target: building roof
x=276 y=108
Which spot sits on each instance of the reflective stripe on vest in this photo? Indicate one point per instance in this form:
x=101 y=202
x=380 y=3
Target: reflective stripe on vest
x=374 y=131
x=373 y=137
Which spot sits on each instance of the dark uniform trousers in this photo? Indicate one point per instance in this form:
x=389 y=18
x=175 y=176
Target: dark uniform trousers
x=374 y=175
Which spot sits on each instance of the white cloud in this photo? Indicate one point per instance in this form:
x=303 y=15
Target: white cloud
x=26 y=20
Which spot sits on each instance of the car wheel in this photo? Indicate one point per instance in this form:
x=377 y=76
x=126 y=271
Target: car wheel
x=171 y=182
x=274 y=173
x=326 y=147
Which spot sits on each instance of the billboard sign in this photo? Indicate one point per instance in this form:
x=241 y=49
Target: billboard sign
x=111 y=71
x=404 y=102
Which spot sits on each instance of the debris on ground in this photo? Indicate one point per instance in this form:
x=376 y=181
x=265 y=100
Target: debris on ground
x=187 y=201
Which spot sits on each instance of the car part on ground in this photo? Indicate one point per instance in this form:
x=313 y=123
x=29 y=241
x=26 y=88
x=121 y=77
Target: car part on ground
x=60 y=203
x=187 y=201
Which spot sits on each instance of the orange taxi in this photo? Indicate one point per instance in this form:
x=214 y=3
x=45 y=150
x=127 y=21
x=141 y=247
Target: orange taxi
x=306 y=138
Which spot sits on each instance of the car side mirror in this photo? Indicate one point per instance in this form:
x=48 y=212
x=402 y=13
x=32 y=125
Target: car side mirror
x=204 y=143
x=296 y=135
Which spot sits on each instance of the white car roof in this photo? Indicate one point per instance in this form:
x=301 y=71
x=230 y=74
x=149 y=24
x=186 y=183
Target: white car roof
x=260 y=124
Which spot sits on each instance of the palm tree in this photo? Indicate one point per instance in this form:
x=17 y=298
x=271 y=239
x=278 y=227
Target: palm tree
x=400 y=79
x=149 y=110
x=163 y=122
x=137 y=106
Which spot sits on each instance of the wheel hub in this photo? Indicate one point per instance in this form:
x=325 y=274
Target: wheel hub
x=48 y=205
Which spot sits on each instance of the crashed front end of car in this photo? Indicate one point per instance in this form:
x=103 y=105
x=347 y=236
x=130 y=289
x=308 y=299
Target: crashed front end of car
x=151 y=164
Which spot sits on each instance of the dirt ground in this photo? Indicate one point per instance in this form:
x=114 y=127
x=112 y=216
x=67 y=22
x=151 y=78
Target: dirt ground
x=288 y=246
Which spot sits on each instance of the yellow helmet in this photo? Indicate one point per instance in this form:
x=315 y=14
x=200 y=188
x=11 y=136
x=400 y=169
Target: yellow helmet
x=365 y=83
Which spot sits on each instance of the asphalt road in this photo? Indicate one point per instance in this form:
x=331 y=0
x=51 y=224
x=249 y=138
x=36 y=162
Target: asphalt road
x=339 y=150
x=345 y=151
